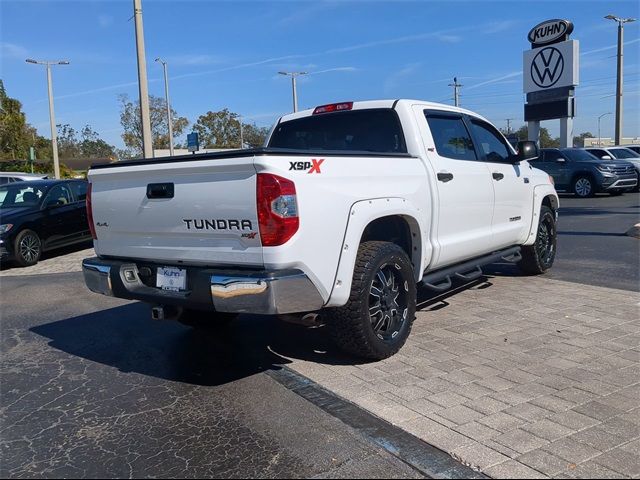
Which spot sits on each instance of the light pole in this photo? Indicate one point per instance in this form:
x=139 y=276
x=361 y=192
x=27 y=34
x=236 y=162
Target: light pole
x=52 y=117
x=147 y=140
x=456 y=89
x=621 y=22
x=241 y=132
x=166 y=96
x=599 y=140
x=293 y=76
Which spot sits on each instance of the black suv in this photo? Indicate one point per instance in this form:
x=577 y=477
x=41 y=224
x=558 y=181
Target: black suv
x=41 y=215
x=577 y=171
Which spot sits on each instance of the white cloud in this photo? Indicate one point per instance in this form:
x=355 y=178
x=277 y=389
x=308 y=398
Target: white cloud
x=495 y=80
x=499 y=26
x=11 y=50
x=105 y=20
x=610 y=47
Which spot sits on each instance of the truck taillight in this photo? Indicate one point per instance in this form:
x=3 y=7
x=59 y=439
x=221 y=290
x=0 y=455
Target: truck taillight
x=277 y=209
x=92 y=228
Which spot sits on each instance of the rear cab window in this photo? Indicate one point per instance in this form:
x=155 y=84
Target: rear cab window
x=368 y=130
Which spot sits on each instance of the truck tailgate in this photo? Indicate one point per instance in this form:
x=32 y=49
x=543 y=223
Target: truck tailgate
x=210 y=218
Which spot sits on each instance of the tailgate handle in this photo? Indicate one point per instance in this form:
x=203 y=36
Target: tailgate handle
x=160 y=190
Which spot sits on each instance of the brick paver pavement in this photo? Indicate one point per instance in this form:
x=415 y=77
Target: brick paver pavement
x=71 y=262
x=519 y=377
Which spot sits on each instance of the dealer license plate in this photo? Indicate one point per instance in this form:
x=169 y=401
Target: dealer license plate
x=171 y=278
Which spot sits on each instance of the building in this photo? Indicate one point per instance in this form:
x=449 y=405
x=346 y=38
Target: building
x=609 y=142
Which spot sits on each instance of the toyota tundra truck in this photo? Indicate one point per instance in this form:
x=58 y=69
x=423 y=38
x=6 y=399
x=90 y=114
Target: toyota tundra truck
x=346 y=211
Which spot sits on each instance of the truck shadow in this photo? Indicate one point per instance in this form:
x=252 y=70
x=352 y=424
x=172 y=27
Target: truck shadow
x=126 y=338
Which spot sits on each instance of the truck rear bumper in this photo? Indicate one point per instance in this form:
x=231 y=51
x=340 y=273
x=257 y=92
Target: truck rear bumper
x=223 y=290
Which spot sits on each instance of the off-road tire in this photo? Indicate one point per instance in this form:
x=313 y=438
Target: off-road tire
x=201 y=320
x=27 y=248
x=351 y=326
x=539 y=257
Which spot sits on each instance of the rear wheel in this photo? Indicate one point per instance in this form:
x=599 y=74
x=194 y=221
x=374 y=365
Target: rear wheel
x=378 y=316
x=202 y=320
x=539 y=257
x=583 y=187
x=27 y=248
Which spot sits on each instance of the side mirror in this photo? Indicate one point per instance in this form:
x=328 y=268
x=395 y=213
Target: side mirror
x=560 y=159
x=606 y=157
x=527 y=150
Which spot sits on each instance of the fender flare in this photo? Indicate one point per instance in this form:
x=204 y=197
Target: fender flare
x=540 y=192
x=361 y=214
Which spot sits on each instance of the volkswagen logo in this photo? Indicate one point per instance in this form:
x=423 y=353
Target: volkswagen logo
x=547 y=67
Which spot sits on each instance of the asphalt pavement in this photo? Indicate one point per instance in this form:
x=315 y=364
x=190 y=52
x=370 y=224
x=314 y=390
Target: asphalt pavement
x=92 y=387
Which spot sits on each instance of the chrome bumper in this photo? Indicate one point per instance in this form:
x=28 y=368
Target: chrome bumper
x=623 y=183
x=261 y=292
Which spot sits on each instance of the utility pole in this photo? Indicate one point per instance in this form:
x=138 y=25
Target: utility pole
x=599 y=140
x=509 y=120
x=241 y=132
x=621 y=22
x=456 y=94
x=52 y=116
x=147 y=141
x=293 y=76
x=166 y=96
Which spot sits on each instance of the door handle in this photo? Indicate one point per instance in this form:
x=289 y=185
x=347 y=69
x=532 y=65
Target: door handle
x=497 y=176
x=445 y=177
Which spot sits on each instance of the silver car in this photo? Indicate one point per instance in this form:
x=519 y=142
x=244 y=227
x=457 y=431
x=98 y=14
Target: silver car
x=10 y=177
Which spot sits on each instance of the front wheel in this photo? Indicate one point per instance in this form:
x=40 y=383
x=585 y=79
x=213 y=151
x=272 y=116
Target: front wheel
x=539 y=257
x=583 y=187
x=28 y=248
x=378 y=316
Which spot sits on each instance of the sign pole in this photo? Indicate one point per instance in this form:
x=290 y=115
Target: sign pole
x=566 y=132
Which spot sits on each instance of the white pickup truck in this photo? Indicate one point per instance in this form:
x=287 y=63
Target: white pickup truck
x=347 y=209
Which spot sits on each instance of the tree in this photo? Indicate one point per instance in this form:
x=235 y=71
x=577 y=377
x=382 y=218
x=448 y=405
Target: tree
x=578 y=141
x=89 y=145
x=218 y=129
x=131 y=123
x=16 y=135
x=546 y=141
x=254 y=136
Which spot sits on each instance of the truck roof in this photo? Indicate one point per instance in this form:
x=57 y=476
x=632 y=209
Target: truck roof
x=367 y=104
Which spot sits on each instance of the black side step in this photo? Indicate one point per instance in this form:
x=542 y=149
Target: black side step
x=440 y=280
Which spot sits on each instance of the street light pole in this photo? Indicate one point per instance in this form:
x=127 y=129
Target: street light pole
x=52 y=116
x=599 y=140
x=166 y=96
x=621 y=22
x=147 y=141
x=456 y=89
x=293 y=76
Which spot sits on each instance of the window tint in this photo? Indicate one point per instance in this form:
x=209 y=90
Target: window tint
x=20 y=195
x=79 y=190
x=451 y=137
x=550 y=155
x=598 y=153
x=371 y=130
x=4 y=180
x=58 y=195
x=623 y=153
x=578 y=155
x=491 y=145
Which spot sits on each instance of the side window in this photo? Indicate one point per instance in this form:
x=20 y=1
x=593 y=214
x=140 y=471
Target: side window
x=450 y=135
x=491 y=144
x=551 y=155
x=597 y=153
x=58 y=195
x=4 y=180
x=79 y=191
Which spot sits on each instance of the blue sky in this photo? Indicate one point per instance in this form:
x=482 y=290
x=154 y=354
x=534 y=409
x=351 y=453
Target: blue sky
x=227 y=54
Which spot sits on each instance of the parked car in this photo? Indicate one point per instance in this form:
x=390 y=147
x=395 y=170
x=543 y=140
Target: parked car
x=620 y=153
x=10 y=177
x=578 y=171
x=41 y=215
x=634 y=148
x=348 y=208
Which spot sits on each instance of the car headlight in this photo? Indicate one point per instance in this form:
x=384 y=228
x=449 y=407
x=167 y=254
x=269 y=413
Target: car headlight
x=603 y=168
x=5 y=228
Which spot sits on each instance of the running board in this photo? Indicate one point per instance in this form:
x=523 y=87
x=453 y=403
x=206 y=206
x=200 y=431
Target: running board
x=441 y=280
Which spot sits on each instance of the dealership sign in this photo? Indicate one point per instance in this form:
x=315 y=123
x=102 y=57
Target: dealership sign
x=550 y=31
x=551 y=66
